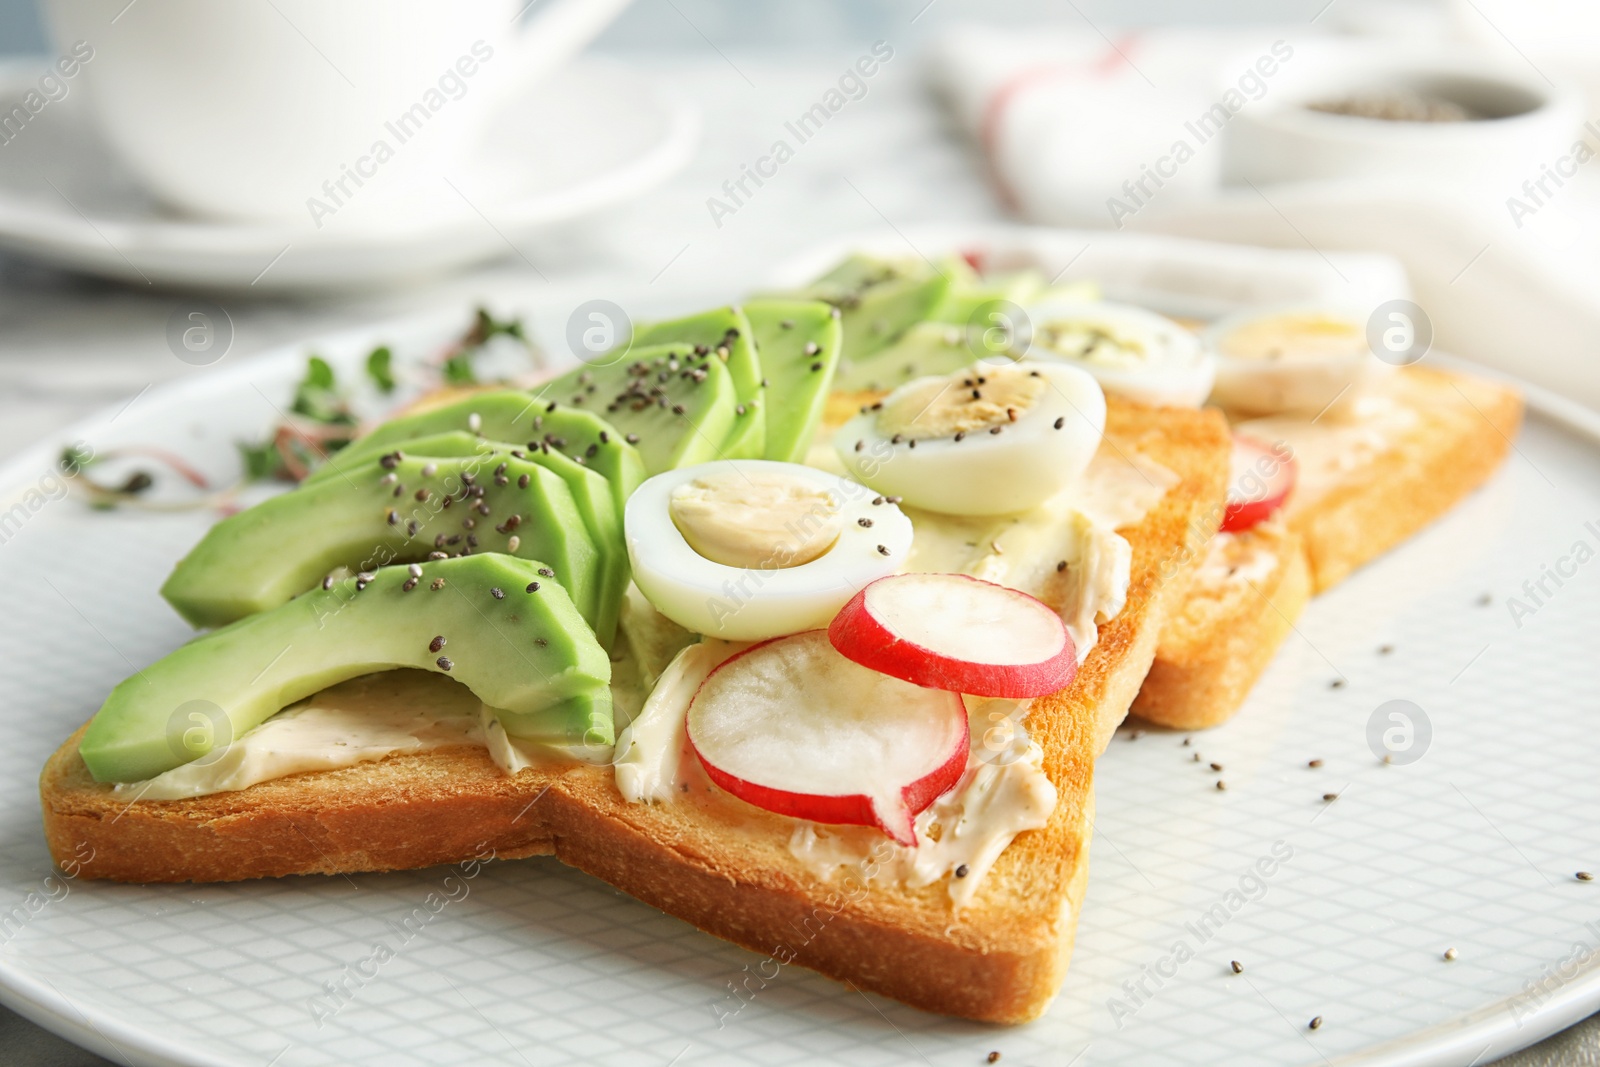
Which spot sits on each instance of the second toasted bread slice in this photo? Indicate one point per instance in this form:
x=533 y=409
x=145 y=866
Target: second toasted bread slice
x=1373 y=478
x=1240 y=606
x=1370 y=477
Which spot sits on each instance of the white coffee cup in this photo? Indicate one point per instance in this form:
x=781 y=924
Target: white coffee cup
x=294 y=111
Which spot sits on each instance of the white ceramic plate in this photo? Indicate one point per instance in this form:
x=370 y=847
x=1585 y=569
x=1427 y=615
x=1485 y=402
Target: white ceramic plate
x=1474 y=846
x=596 y=134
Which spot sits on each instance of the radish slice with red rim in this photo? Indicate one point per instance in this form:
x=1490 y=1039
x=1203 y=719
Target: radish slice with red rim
x=959 y=633
x=791 y=726
x=1259 y=481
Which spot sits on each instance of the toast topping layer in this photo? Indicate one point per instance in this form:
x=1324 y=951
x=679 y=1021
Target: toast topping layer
x=650 y=751
x=1066 y=552
x=1003 y=792
x=985 y=440
x=1236 y=559
x=1329 y=447
x=1296 y=361
x=359 y=721
x=1076 y=527
x=1132 y=352
x=929 y=408
x=1305 y=335
x=364 y=719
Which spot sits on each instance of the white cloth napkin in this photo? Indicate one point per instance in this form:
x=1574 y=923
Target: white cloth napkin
x=1071 y=121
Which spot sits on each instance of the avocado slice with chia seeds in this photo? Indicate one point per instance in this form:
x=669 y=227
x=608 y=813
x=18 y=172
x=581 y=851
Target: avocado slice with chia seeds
x=880 y=298
x=591 y=492
x=725 y=332
x=516 y=418
x=928 y=348
x=798 y=343
x=676 y=405
x=524 y=651
x=393 y=509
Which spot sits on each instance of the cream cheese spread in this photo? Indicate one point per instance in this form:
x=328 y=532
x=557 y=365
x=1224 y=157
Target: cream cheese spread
x=1226 y=562
x=359 y=721
x=1328 y=448
x=1066 y=552
x=1003 y=792
x=650 y=749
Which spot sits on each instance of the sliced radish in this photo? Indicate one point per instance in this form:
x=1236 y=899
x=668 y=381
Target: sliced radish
x=1260 y=479
x=791 y=726
x=955 y=632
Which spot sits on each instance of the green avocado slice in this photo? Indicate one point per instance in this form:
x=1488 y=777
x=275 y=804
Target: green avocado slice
x=967 y=295
x=515 y=417
x=927 y=348
x=588 y=439
x=716 y=330
x=590 y=490
x=798 y=344
x=364 y=519
x=527 y=654
x=948 y=341
x=880 y=298
x=673 y=404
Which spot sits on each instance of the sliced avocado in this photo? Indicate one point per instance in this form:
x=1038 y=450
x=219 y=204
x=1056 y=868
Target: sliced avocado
x=881 y=298
x=927 y=348
x=966 y=297
x=527 y=654
x=723 y=328
x=365 y=519
x=591 y=491
x=602 y=516
x=514 y=417
x=653 y=639
x=798 y=343
x=675 y=405
x=588 y=439
x=1077 y=291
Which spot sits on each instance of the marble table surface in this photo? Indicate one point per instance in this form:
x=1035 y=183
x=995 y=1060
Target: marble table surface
x=70 y=345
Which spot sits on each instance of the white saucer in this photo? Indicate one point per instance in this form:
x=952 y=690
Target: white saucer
x=65 y=199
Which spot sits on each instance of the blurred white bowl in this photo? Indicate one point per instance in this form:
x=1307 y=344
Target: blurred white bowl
x=1527 y=121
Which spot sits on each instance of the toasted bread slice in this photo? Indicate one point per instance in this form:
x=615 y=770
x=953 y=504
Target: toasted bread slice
x=723 y=866
x=1241 y=605
x=1459 y=434
x=1439 y=436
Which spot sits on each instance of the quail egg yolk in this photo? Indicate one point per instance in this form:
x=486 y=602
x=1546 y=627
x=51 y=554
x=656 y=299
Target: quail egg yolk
x=755 y=518
x=1295 y=336
x=985 y=397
